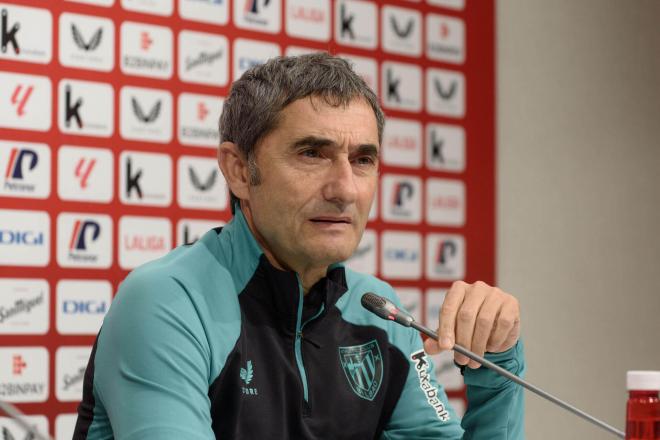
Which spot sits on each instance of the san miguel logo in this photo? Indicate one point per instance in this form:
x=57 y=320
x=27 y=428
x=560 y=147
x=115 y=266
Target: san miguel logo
x=363 y=366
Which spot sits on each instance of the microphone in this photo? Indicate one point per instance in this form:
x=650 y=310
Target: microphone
x=386 y=309
x=19 y=418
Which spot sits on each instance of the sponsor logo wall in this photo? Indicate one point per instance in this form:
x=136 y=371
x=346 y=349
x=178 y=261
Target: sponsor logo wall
x=108 y=127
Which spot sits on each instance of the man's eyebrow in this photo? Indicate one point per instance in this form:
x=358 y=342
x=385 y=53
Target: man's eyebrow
x=312 y=141
x=368 y=149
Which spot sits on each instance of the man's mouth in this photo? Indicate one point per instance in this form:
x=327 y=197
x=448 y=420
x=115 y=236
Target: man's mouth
x=332 y=220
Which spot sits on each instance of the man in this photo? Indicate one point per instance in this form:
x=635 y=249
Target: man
x=256 y=331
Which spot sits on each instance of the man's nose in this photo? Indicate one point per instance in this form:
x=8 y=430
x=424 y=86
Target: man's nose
x=340 y=185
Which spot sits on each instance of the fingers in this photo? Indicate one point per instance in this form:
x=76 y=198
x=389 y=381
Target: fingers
x=484 y=324
x=450 y=307
x=507 y=327
x=467 y=316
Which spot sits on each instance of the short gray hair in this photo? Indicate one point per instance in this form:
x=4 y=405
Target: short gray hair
x=256 y=99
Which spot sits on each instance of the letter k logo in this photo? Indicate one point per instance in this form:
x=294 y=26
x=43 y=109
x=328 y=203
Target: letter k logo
x=347 y=23
x=9 y=35
x=393 y=87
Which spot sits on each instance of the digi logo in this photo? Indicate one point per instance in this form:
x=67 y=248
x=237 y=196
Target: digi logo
x=87 y=42
x=308 y=19
x=445 y=38
x=445 y=92
x=75 y=100
x=445 y=257
x=401 y=255
x=401 y=198
x=401 y=86
x=145 y=114
x=402 y=31
x=25 y=34
x=26 y=169
x=206 y=11
x=200 y=184
x=258 y=15
x=25 y=102
x=402 y=143
x=250 y=53
x=85 y=174
x=84 y=240
x=24 y=238
x=81 y=306
x=356 y=24
x=198 y=116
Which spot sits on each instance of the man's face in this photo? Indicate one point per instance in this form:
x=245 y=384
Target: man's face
x=319 y=171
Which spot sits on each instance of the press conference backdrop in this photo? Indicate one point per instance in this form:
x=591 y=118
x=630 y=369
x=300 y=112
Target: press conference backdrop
x=108 y=130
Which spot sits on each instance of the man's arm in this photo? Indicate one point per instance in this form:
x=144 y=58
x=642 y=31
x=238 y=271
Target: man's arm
x=153 y=363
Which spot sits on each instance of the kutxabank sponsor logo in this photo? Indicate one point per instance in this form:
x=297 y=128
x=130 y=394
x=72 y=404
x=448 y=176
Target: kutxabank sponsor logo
x=422 y=367
x=145 y=178
x=156 y=7
x=197 y=118
x=203 y=58
x=85 y=174
x=190 y=230
x=402 y=31
x=401 y=255
x=250 y=53
x=84 y=240
x=85 y=108
x=24 y=238
x=87 y=42
x=25 y=169
x=308 y=19
x=70 y=365
x=402 y=143
x=143 y=239
x=365 y=256
x=445 y=257
x=401 y=85
x=258 y=15
x=24 y=374
x=145 y=114
x=356 y=24
x=81 y=306
x=25 y=101
x=401 y=198
x=200 y=184
x=25 y=34
x=146 y=50
x=24 y=306
x=445 y=38
x=445 y=147
x=205 y=11
x=445 y=202
x=11 y=430
x=445 y=91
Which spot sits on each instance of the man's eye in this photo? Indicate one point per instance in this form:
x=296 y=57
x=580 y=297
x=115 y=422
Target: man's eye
x=310 y=153
x=365 y=160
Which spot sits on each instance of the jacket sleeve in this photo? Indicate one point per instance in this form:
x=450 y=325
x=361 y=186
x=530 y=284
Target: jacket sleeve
x=495 y=404
x=153 y=363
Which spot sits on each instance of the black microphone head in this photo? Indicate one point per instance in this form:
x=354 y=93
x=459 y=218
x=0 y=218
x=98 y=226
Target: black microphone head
x=385 y=309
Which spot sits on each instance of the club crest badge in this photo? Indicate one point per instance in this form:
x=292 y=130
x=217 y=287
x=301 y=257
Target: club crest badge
x=363 y=366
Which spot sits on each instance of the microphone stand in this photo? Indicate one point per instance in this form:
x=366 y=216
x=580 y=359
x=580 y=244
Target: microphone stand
x=19 y=418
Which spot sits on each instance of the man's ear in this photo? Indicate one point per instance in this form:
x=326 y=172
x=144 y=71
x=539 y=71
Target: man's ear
x=235 y=169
